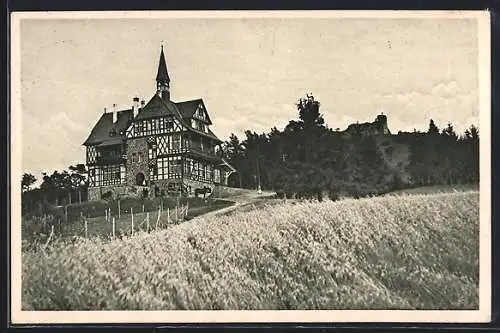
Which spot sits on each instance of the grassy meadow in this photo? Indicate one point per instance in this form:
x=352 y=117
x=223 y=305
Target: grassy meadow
x=418 y=251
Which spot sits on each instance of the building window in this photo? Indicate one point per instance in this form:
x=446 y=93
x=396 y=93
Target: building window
x=188 y=165
x=154 y=126
x=108 y=175
x=176 y=142
x=160 y=168
x=91 y=154
x=151 y=153
x=217 y=175
x=169 y=126
x=175 y=168
x=208 y=173
x=161 y=124
x=139 y=158
x=123 y=173
x=162 y=145
x=200 y=126
x=153 y=171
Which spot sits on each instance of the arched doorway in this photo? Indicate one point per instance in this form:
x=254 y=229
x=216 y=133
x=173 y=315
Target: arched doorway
x=140 y=179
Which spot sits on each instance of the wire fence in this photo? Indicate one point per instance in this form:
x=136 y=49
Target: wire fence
x=112 y=225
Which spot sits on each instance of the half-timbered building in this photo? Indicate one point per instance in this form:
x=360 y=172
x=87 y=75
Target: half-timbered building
x=158 y=148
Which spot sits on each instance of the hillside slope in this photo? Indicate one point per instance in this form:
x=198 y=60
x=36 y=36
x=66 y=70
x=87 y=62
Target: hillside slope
x=399 y=252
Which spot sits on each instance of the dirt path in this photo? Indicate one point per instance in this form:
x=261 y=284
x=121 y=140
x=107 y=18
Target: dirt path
x=241 y=197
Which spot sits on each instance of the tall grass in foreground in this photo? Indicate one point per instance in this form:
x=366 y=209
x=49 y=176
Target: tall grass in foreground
x=409 y=252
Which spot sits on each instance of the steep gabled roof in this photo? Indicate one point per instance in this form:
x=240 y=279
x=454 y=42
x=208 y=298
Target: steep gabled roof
x=156 y=107
x=100 y=134
x=188 y=108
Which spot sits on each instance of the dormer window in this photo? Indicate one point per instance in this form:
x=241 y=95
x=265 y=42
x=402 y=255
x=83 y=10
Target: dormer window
x=196 y=124
x=200 y=112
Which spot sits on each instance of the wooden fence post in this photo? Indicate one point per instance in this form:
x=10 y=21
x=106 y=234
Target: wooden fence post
x=132 y=214
x=147 y=221
x=50 y=236
x=113 y=227
x=86 y=229
x=106 y=214
x=158 y=219
x=168 y=215
x=143 y=208
x=119 y=214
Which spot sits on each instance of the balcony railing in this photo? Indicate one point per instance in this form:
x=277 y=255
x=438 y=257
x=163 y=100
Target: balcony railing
x=108 y=159
x=203 y=152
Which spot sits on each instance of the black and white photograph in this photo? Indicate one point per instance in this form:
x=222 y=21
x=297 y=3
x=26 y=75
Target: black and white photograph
x=307 y=166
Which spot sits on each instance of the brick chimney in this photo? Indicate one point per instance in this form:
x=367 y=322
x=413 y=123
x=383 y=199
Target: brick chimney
x=115 y=114
x=135 y=106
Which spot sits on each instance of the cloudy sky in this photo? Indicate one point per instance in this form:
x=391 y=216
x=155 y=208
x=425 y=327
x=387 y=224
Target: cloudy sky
x=249 y=72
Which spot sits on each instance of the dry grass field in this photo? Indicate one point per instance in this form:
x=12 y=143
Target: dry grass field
x=416 y=251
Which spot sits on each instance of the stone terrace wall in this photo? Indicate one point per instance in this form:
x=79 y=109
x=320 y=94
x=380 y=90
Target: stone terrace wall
x=95 y=193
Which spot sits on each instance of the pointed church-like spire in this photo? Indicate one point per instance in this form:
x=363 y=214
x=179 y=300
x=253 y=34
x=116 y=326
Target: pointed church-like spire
x=162 y=69
x=162 y=78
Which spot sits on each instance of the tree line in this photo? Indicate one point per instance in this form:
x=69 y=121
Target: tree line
x=59 y=188
x=309 y=159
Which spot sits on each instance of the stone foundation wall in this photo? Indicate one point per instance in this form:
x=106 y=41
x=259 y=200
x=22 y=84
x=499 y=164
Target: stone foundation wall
x=162 y=185
x=95 y=193
x=189 y=184
x=192 y=185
